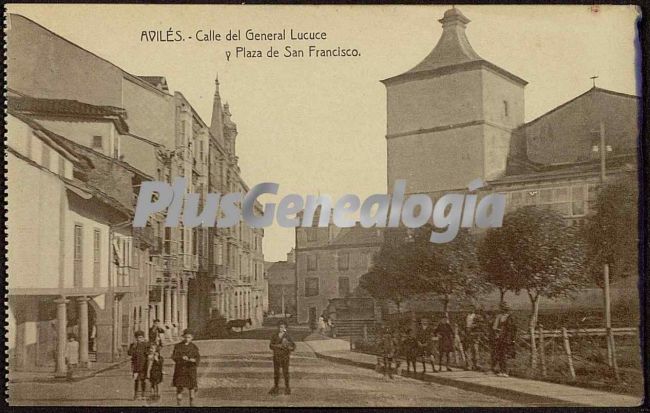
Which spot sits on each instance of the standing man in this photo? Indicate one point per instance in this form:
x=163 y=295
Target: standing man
x=445 y=341
x=155 y=333
x=505 y=332
x=186 y=356
x=425 y=344
x=471 y=334
x=282 y=345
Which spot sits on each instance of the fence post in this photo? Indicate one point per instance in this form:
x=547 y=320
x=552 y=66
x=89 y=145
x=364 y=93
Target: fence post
x=533 y=348
x=542 y=355
x=610 y=337
x=567 y=349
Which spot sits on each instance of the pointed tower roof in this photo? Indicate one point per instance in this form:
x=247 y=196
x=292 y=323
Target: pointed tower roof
x=453 y=47
x=453 y=52
x=216 y=123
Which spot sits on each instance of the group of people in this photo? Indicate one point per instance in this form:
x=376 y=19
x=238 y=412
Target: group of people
x=324 y=326
x=479 y=330
x=413 y=343
x=147 y=364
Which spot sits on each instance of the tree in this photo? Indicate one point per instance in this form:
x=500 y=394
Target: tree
x=449 y=269
x=388 y=278
x=537 y=252
x=612 y=232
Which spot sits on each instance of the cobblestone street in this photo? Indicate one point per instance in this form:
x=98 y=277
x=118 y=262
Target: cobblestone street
x=240 y=373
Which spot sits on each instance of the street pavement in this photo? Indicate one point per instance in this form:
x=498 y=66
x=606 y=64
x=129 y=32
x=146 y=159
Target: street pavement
x=239 y=372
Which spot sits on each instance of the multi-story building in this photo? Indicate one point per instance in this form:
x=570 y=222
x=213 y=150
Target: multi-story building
x=61 y=276
x=329 y=263
x=137 y=123
x=282 y=285
x=456 y=117
x=131 y=268
x=233 y=284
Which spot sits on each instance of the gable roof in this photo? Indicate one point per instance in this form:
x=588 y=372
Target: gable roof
x=358 y=235
x=67 y=108
x=562 y=139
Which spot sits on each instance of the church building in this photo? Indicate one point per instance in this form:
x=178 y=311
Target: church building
x=456 y=117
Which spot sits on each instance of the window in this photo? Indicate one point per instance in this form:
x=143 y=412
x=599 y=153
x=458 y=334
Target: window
x=344 y=286
x=219 y=253
x=344 y=261
x=312 y=263
x=312 y=235
x=578 y=197
x=98 y=142
x=116 y=147
x=182 y=240
x=61 y=166
x=567 y=201
x=45 y=157
x=167 y=241
x=96 y=257
x=505 y=108
x=311 y=287
x=182 y=133
x=78 y=256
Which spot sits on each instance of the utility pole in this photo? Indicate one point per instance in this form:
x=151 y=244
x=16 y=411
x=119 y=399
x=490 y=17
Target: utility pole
x=611 y=347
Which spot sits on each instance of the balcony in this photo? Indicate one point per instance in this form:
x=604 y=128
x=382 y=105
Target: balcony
x=219 y=270
x=190 y=262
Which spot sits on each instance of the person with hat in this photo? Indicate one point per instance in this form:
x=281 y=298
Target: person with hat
x=505 y=331
x=186 y=358
x=139 y=352
x=445 y=334
x=425 y=344
x=282 y=345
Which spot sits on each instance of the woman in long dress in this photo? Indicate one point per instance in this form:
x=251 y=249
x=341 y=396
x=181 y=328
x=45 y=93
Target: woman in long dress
x=186 y=356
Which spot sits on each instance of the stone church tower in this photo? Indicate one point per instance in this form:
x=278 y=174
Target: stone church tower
x=450 y=118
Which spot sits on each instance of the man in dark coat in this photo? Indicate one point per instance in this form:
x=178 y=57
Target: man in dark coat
x=139 y=352
x=505 y=331
x=282 y=346
x=186 y=356
x=445 y=341
x=425 y=344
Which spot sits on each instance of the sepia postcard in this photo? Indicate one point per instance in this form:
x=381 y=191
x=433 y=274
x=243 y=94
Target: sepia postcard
x=323 y=206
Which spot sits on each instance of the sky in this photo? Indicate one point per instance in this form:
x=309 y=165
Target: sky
x=319 y=125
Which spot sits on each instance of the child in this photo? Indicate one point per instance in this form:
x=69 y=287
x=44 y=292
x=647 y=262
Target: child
x=155 y=370
x=138 y=352
x=71 y=355
x=410 y=346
